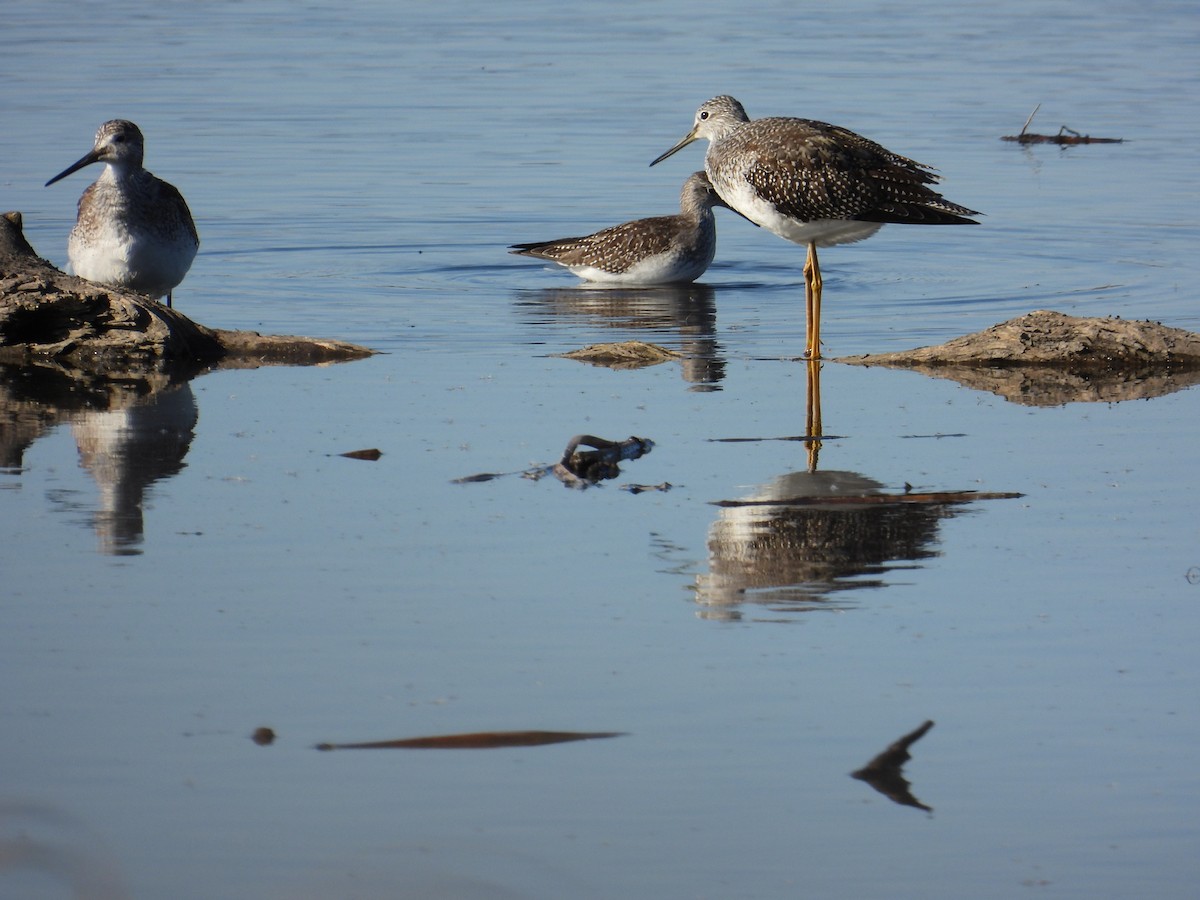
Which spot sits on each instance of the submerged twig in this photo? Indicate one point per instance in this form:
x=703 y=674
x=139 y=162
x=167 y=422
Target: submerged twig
x=1065 y=136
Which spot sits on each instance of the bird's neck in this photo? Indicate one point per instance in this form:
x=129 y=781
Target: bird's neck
x=120 y=174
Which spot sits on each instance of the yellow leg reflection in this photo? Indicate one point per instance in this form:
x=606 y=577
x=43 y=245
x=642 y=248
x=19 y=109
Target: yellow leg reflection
x=812 y=418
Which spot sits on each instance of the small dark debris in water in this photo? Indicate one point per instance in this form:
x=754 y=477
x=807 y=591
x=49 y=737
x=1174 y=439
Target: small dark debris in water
x=580 y=469
x=1065 y=137
x=602 y=449
x=482 y=476
x=599 y=463
x=264 y=736
x=885 y=772
x=643 y=488
x=479 y=740
x=369 y=455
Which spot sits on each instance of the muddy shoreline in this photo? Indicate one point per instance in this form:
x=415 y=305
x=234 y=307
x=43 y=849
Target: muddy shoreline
x=49 y=317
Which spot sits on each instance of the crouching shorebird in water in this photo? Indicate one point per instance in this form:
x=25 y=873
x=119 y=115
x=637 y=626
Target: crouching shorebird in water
x=813 y=183
x=661 y=250
x=133 y=230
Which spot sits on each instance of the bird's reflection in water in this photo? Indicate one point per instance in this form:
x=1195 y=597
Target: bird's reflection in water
x=131 y=432
x=686 y=310
x=128 y=449
x=806 y=536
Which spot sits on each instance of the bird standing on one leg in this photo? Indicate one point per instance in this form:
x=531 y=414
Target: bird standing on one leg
x=133 y=230
x=814 y=184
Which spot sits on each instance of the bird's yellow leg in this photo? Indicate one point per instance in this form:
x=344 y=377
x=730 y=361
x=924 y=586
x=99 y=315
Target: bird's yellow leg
x=812 y=302
x=808 y=308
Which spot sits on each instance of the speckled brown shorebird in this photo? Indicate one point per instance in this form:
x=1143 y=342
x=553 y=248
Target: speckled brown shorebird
x=133 y=230
x=660 y=250
x=813 y=183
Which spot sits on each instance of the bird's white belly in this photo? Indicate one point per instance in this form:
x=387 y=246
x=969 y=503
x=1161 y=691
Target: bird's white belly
x=115 y=256
x=663 y=268
x=740 y=195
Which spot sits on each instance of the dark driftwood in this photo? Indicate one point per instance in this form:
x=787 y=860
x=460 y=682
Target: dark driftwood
x=48 y=316
x=1065 y=137
x=479 y=740
x=1046 y=358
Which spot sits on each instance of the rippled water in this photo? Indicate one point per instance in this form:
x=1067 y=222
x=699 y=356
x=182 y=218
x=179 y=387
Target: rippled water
x=182 y=566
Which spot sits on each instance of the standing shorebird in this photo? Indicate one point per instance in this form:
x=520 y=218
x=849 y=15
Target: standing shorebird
x=813 y=183
x=661 y=250
x=133 y=230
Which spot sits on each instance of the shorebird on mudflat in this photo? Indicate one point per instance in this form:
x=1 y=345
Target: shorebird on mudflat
x=813 y=183
x=133 y=230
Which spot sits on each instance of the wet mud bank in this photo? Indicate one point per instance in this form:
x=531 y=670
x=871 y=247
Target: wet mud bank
x=1047 y=358
x=47 y=316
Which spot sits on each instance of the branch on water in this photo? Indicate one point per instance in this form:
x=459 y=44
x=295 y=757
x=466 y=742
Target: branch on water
x=1065 y=137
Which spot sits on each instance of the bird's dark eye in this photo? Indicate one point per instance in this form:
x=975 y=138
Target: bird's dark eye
x=703 y=116
x=118 y=138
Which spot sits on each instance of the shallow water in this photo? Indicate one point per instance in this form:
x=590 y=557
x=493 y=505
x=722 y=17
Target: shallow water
x=185 y=571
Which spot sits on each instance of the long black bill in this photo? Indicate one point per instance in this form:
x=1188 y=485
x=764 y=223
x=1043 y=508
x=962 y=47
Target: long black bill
x=86 y=161
x=691 y=136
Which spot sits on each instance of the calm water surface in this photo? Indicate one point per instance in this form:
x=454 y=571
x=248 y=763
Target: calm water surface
x=180 y=571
